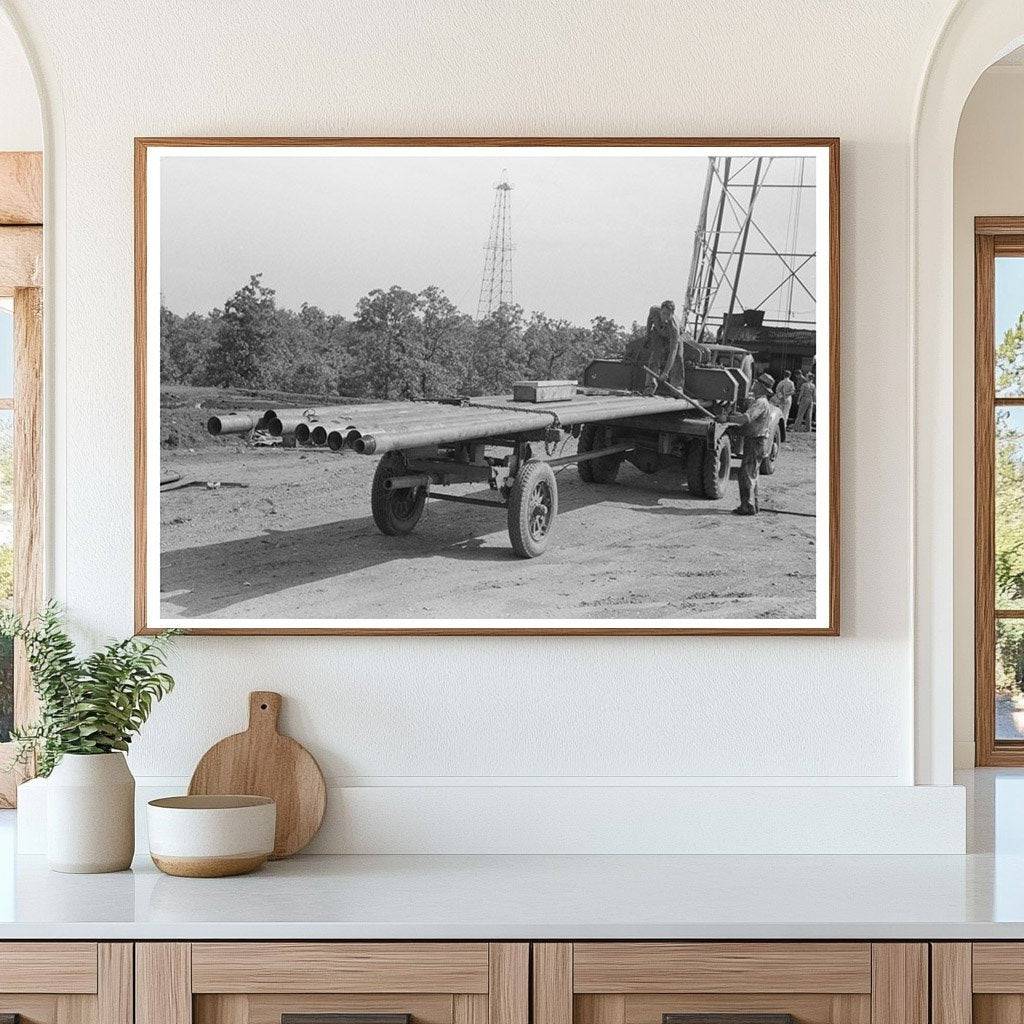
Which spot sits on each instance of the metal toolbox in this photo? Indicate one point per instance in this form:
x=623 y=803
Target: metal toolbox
x=543 y=390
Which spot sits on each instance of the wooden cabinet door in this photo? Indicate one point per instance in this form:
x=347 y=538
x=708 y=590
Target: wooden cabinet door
x=66 y=982
x=979 y=982
x=315 y=982
x=736 y=982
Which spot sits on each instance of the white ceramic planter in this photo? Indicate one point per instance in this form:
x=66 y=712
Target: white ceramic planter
x=90 y=814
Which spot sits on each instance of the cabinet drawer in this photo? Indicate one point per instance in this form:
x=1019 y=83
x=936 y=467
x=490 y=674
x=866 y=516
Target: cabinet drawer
x=630 y=967
x=264 y=982
x=340 y=967
x=735 y=982
x=48 y=967
x=998 y=967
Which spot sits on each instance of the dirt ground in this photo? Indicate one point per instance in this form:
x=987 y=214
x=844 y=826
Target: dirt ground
x=296 y=540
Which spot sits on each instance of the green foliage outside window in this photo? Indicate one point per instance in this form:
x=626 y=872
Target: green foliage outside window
x=1009 y=509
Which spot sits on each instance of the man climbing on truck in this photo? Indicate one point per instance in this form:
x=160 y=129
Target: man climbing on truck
x=757 y=424
x=661 y=349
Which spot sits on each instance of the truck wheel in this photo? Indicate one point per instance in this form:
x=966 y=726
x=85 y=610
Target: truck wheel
x=532 y=507
x=395 y=512
x=597 y=471
x=717 y=464
x=695 y=469
x=768 y=462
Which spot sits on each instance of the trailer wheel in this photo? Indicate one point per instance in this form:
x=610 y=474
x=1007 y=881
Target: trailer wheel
x=768 y=462
x=716 y=468
x=596 y=471
x=397 y=511
x=695 y=469
x=532 y=507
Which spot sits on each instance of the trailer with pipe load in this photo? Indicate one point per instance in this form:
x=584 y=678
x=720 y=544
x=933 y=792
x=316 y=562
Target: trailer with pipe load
x=514 y=446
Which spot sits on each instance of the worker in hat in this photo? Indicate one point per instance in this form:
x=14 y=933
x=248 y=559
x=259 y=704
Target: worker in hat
x=756 y=423
x=805 y=405
x=661 y=351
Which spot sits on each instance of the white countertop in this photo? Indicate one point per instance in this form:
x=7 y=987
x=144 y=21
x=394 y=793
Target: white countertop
x=532 y=897
x=978 y=896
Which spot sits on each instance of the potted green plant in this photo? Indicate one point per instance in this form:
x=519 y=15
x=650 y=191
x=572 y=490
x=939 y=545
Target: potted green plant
x=89 y=710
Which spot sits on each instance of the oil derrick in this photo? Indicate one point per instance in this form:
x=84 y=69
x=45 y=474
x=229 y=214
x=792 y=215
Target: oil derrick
x=496 y=284
x=748 y=272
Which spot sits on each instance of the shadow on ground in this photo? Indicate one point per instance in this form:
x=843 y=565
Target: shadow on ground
x=204 y=580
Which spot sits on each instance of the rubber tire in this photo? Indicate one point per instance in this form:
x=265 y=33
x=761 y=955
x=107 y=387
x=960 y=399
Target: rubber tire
x=525 y=543
x=596 y=471
x=391 y=520
x=768 y=462
x=716 y=468
x=695 y=469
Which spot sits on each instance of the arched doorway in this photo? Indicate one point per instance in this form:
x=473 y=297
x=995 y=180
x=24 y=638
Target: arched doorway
x=975 y=35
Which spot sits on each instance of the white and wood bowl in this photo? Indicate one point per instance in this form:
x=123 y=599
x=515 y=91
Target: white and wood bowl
x=211 y=836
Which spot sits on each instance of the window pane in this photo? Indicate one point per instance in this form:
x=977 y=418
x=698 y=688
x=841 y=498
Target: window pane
x=1009 y=679
x=1009 y=318
x=1009 y=525
x=6 y=567
x=6 y=352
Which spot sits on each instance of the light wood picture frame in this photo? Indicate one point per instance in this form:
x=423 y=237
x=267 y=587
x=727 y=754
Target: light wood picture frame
x=207 y=207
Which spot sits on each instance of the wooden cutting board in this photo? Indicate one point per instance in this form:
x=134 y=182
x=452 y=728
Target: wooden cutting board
x=262 y=762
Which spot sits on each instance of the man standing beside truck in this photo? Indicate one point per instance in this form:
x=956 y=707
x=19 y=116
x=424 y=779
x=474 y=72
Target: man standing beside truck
x=805 y=405
x=783 y=397
x=756 y=423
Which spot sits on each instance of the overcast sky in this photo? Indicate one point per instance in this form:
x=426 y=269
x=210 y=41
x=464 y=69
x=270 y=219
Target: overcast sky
x=606 y=232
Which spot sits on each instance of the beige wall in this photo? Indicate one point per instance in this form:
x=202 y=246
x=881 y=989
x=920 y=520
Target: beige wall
x=988 y=180
x=20 y=121
x=438 y=718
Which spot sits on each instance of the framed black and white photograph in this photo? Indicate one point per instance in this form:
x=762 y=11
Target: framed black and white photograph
x=487 y=386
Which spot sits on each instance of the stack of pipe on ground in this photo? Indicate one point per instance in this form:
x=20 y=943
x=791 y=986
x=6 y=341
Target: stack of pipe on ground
x=378 y=427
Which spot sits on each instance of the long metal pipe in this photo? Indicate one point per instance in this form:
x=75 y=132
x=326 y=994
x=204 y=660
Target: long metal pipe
x=235 y=423
x=513 y=423
x=288 y=421
x=314 y=412
x=285 y=422
x=384 y=416
x=431 y=420
x=347 y=437
x=577 y=411
x=386 y=426
x=318 y=413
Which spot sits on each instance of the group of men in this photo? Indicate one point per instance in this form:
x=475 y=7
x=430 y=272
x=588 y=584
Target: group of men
x=803 y=389
x=661 y=353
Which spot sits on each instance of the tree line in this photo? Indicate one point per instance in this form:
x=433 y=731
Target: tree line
x=399 y=344
x=1009 y=510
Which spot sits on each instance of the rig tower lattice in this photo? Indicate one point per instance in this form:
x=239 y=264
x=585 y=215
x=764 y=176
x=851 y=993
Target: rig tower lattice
x=735 y=231
x=496 y=284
